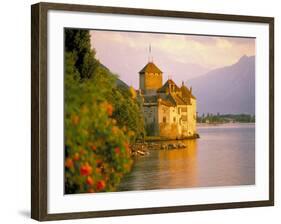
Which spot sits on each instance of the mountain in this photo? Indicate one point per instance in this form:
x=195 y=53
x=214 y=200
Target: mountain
x=229 y=89
x=119 y=82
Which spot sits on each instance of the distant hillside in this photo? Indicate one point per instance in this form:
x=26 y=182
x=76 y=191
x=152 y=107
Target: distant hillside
x=229 y=89
x=119 y=82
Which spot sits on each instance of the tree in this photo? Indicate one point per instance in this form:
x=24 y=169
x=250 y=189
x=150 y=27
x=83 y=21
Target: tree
x=78 y=42
x=128 y=112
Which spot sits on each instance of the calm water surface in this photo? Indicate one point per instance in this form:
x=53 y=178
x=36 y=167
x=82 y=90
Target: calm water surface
x=223 y=156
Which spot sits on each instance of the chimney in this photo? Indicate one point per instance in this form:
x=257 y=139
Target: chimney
x=190 y=89
x=182 y=83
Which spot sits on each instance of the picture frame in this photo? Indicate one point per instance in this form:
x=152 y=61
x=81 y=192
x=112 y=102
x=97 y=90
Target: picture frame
x=41 y=100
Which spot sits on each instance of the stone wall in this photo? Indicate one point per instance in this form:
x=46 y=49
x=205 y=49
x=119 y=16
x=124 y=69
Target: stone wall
x=191 y=117
x=173 y=121
x=179 y=121
x=169 y=130
x=141 y=79
x=151 y=119
x=169 y=121
x=152 y=81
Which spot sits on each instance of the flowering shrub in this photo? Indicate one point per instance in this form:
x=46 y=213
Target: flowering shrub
x=97 y=150
x=101 y=121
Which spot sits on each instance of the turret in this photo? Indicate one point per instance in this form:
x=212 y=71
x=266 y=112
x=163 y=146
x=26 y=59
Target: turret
x=150 y=78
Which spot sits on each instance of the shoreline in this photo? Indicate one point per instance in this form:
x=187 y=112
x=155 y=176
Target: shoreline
x=158 y=138
x=228 y=123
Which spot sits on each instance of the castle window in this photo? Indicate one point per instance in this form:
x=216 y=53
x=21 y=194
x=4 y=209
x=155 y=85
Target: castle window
x=175 y=119
x=164 y=119
x=179 y=110
x=184 y=109
x=184 y=118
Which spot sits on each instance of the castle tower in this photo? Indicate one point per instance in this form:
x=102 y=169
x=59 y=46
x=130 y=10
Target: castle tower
x=150 y=78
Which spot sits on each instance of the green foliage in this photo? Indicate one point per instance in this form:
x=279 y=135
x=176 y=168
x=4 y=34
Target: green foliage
x=101 y=120
x=127 y=113
x=78 y=42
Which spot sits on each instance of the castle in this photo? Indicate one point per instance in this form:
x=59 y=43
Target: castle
x=169 y=111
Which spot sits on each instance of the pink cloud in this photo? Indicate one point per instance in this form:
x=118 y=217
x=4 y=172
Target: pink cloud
x=180 y=56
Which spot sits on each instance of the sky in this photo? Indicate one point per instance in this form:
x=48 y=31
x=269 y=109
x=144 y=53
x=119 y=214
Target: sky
x=180 y=57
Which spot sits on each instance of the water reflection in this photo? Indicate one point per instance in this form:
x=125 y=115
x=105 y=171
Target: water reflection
x=178 y=167
x=223 y=156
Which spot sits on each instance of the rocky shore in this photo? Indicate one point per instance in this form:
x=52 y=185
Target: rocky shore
x=142 y=149
x=163 y=139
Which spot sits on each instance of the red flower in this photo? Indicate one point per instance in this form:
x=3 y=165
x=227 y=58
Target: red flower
x=93 y=147
x=100 y=185
x=82 y=151
x=117 y=150
x=85 y=169
x=68 y=163
x=109 y=109
x=90 y=181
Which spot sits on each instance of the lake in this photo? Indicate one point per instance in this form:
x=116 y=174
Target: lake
x=224 y=155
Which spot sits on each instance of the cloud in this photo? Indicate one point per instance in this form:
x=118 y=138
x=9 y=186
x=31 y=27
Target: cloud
x=115 y=49
x=207 y=51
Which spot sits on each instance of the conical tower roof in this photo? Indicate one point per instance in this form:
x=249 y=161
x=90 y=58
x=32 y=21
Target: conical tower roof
x=150 y=68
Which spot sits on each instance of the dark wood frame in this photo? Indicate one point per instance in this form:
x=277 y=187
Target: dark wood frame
x=39 y=110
